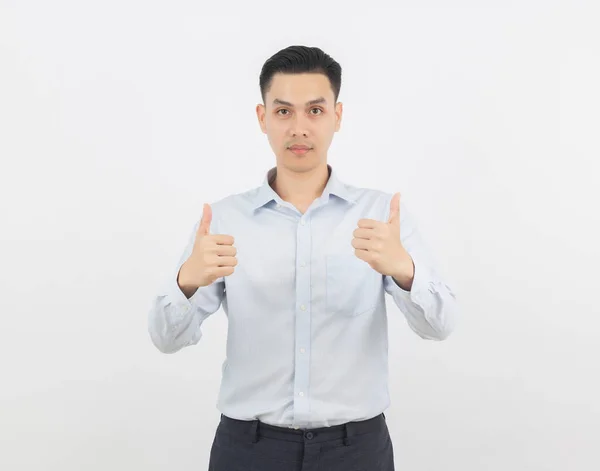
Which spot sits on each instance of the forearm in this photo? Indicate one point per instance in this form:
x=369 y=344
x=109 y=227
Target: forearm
x=426 y=300
x=176 y=316
x=173 y=325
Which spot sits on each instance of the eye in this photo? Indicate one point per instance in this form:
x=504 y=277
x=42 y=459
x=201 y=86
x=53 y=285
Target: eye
x=312 y=109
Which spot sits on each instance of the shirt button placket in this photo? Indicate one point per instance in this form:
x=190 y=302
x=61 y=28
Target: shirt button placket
x=303 y=301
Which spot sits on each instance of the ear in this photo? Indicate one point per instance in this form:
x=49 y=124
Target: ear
x=260 y=114
x=339 y=108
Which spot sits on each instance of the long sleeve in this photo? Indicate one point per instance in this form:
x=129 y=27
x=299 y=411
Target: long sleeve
x=430 y=306
x=174 y=321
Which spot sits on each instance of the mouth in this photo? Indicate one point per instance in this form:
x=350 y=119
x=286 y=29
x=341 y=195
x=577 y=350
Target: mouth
x=299 y=150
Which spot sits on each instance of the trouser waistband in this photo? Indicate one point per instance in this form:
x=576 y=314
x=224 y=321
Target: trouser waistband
x=253 y=429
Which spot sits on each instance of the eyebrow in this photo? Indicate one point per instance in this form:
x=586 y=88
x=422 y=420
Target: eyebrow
x=277 y=101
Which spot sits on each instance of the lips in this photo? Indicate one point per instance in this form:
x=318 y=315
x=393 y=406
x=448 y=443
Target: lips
x=300 y=150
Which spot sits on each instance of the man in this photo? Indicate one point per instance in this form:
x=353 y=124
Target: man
x=301 y=266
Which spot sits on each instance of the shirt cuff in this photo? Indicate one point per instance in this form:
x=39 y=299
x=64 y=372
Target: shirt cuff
x=179 y=305
x=422 y=285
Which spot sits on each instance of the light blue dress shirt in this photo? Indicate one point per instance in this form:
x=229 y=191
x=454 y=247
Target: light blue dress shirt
x=307 y=342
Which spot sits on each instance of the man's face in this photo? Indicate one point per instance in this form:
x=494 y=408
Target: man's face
x=299 y=109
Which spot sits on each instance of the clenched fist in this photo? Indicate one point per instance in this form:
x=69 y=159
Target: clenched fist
x=213 y=256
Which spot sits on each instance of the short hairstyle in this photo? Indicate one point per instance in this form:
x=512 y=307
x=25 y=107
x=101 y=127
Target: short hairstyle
x=298 y=60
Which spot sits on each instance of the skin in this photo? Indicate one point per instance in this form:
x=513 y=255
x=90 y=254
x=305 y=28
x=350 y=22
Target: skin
x=300 y=178
x=301 y=109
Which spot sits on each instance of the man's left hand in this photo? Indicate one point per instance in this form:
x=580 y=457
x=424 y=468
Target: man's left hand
x=378 y=244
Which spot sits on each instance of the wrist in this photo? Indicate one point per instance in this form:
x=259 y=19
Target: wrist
x=405 y=277
x=182 y=281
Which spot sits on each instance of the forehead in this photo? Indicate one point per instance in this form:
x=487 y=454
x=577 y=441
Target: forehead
x=300 y=88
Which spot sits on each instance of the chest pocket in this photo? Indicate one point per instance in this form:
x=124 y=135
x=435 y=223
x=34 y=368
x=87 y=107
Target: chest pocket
x=352 y=288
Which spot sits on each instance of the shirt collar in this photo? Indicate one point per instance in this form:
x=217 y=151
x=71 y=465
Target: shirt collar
x=334 y=186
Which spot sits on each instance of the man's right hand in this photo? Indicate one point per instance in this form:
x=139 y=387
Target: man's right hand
x=213 y=256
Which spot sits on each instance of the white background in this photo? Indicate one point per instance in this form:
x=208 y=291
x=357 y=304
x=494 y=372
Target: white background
x=119 y=119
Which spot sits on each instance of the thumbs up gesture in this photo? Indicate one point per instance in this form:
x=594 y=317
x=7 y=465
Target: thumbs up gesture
x=378 y=244
x=213 y=256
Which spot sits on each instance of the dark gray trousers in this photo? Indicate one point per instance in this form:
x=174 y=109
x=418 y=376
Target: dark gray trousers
x=241 y=445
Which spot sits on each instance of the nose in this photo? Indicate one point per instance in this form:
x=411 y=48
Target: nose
x=299 y=126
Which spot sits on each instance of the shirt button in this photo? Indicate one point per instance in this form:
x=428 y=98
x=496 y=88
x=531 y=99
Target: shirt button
x=302 y=222
x=302 y=350
x=300 y=393
x=302 y=264
x=303 y=307
x=278 y=206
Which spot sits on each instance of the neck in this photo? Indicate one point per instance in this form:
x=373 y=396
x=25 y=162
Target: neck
x=300 y=187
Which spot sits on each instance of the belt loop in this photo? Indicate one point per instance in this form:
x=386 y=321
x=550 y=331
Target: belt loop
x=254 y=431
x=383 y=415
x=346 y=438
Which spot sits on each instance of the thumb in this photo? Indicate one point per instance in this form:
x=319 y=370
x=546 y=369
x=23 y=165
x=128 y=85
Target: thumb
x=204 y=227
x=395 y=210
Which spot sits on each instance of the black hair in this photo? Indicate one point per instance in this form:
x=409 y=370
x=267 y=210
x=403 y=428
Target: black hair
x=297 y=60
